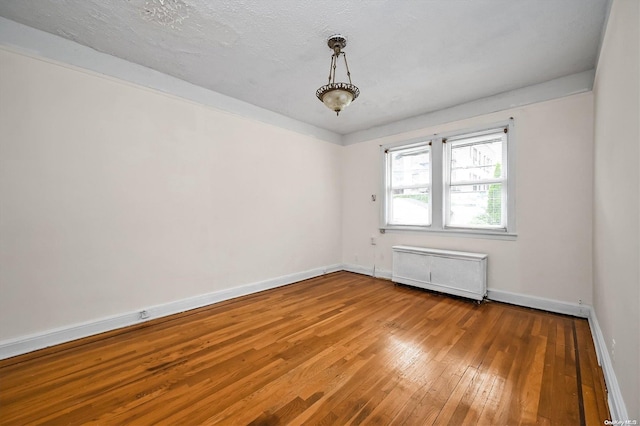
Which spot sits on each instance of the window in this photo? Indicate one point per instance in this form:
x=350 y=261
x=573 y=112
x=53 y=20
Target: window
x=408 y=185
x=454 y=183
x=475 y=191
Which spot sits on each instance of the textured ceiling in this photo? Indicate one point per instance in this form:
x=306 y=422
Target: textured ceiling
x=407 y=57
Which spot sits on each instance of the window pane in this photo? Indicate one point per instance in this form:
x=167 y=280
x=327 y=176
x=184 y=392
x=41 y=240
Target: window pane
x=410 y=167
x=476 y=206
x=476 y=162
x=410 y=207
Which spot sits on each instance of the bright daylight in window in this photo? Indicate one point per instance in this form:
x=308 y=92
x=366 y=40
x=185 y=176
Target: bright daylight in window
x=408 y=193
x=456 y=183
x=475 y=182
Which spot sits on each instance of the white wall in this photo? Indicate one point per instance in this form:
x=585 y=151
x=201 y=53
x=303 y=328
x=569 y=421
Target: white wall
x=616 y=197
x=115 y=198
x=551 y=257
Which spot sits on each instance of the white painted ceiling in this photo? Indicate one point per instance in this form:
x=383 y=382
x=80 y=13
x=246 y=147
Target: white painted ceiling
x=408 y=57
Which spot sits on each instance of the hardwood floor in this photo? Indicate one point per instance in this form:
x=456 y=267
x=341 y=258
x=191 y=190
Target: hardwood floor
x=338 y=349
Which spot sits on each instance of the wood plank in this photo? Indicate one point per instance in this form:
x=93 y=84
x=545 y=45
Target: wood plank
x=596 y=408
x=337 y=349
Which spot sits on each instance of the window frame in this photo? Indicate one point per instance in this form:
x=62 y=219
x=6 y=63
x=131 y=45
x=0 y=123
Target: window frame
x=386 y=179
x=466 y=139
x=439 y=166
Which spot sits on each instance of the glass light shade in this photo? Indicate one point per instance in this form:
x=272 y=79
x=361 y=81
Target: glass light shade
x=337 y=99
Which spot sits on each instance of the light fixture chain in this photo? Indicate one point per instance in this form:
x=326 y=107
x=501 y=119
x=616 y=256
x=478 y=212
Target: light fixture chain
x=347 y=66
x=334 y=61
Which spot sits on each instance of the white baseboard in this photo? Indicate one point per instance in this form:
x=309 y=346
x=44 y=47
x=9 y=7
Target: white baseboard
x=550 y=305
x=616 y=402
x=365 y=270
x=22 y=345
x=541 y=303
x=30 y=343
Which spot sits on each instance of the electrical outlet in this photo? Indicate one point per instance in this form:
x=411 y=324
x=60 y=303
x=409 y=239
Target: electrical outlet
x=374 y=241
x=144 y=315
x=613 y=350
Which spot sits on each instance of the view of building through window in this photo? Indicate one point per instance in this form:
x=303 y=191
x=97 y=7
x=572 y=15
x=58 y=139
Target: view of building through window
x=470 y=191
x=410 y=187
x=475 y=197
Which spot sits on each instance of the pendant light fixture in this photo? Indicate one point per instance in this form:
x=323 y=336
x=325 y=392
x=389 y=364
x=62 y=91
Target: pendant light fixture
x=337 y=96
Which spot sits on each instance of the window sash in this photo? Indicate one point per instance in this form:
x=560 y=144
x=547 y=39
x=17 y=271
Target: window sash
x=390 y=187
x=475 y=140
x=477 y=182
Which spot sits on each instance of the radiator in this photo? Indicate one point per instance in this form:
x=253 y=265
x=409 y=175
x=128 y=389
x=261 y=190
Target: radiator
x=453 y=272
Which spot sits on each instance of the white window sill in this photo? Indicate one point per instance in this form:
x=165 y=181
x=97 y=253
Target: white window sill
x=463 y=233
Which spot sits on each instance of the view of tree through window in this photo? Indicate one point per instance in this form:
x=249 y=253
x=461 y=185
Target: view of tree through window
x=451 y=183
x=476 y=182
